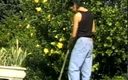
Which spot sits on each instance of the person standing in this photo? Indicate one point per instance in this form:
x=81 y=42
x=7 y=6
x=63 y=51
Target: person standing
x=80 y=63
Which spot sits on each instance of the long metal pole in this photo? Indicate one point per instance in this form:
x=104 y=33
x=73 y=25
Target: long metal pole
x=63 y=66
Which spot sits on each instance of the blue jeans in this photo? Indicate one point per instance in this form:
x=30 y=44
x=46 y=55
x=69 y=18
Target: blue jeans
x=81 y=60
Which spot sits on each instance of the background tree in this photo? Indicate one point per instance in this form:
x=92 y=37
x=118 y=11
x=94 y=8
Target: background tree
x=43 y=28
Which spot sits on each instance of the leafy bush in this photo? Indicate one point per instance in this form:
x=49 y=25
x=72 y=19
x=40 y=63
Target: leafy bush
x=43 y=28
x=115 y=78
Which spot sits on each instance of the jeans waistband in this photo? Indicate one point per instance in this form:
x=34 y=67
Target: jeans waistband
x=87 y=38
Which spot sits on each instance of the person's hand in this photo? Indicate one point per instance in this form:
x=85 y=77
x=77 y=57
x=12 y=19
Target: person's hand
x=71 y=43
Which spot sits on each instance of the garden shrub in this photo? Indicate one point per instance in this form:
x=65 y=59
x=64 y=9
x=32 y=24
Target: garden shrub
x=43 y=28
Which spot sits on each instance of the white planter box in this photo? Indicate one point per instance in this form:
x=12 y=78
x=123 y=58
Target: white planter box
x=12 y=73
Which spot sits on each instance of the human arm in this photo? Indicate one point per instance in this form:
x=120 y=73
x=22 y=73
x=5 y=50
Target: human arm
x=93 y=27
x=94 y=30
x=76 y=20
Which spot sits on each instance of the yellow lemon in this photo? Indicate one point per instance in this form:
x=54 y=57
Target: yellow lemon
x=38 y=9
x=56 y=36
x=52 y=43
x=46 y=50
x=44 y=1
x=59 y=45
x=31 y=34
x=37 y=45
x=64 y=29
x=49 y=17
x=52 y=51
x=36 y=1
x=28 y=26
x=61 y=39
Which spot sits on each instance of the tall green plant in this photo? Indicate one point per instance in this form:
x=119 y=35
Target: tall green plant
x=13 y=56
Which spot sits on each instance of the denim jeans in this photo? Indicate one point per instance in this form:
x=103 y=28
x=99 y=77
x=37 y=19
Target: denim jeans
x=81 y=60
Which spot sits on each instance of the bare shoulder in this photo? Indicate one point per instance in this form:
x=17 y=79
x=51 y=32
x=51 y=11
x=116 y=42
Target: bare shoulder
x=78 y=16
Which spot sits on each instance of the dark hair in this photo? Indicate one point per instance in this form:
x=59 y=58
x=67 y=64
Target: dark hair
x=78 y=2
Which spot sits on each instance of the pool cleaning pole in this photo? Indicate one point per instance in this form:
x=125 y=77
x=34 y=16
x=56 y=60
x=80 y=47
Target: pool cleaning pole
x=63 y=66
